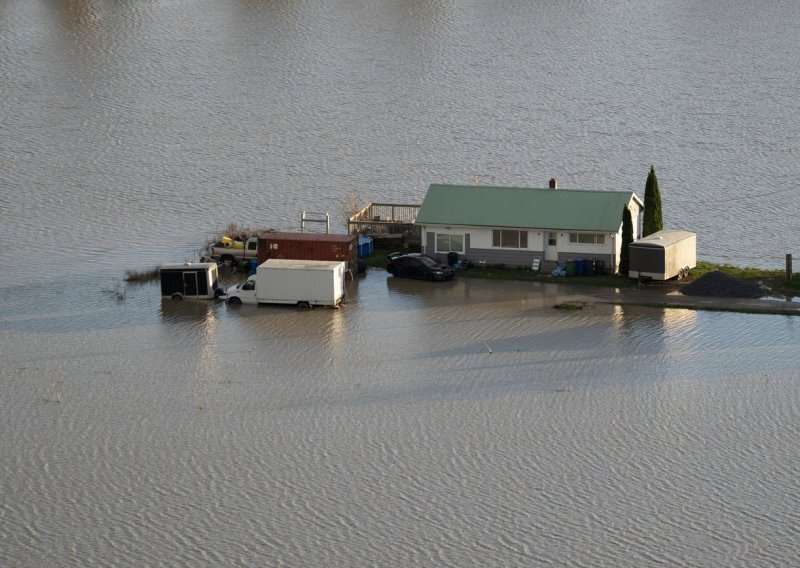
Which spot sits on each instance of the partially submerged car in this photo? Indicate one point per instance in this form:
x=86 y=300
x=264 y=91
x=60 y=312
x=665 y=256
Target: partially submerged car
x=417 y=265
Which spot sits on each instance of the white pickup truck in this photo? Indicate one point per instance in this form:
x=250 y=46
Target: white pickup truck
x=229 y=250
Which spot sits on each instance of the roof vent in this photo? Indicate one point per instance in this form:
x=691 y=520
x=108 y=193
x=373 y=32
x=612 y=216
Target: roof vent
x=553 y=183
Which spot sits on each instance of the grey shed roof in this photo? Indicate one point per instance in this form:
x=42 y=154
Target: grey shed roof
x=524 y=207
x=663 y=238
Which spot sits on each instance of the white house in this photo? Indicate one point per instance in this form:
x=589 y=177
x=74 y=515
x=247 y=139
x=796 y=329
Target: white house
x=515 y=225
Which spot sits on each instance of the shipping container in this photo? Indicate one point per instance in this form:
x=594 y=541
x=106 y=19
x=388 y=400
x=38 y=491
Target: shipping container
x=309 y=246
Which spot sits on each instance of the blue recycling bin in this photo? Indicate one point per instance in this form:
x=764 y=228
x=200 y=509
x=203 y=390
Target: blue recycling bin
x=580 y=267
x=364 y=246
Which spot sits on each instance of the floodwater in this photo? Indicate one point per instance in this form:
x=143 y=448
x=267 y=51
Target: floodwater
x=462 y=424
x=457 y=424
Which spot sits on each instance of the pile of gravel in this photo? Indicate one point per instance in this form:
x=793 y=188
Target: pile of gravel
x=721 y=285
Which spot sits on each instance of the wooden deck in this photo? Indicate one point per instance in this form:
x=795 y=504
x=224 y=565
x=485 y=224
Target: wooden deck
x=383 y=219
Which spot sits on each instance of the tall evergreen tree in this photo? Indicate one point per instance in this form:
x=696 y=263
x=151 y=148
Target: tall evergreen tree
x=627 y=239
x=652 y=220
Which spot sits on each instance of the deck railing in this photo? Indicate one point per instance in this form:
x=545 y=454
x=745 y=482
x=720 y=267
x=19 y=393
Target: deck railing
x=386 y=219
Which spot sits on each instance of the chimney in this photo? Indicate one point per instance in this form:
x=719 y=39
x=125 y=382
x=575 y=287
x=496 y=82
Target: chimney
x=553 y=183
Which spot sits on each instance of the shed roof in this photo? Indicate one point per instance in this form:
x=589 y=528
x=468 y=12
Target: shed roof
x=663 y=238
x=524 y=207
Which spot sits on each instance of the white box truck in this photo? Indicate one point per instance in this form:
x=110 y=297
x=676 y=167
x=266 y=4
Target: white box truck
x=304 y=283
x=663 y=255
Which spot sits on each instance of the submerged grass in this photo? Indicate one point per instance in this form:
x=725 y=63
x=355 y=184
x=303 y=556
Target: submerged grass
x=142 y=276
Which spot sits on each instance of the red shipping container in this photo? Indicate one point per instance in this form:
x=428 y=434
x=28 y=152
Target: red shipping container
x=309 y=246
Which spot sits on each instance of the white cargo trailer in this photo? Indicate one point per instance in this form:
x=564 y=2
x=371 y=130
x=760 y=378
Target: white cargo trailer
x=303 y=283
x=663 y=255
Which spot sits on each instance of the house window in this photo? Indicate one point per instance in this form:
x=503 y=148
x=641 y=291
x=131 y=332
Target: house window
x=449 y=243
x=505 y=238
x=587 y=238
x=551 y=239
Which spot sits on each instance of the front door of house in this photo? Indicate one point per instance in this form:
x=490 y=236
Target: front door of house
x=551 y=246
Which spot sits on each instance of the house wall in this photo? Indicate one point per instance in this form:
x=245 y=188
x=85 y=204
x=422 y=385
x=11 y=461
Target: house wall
x=478 y=246
x=636 y=216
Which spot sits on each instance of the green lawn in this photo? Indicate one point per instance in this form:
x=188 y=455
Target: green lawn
x=775 y=279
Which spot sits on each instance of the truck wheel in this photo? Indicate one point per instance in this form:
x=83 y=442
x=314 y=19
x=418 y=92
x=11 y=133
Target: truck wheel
x=177 y=296
x=234 y=301
x=306 y=305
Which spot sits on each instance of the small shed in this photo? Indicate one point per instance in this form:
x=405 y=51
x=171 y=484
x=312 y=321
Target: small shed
x=309 y=246
x=663 y=255
x=190 y=280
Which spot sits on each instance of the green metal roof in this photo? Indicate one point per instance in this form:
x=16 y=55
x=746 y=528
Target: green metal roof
x=524 y=207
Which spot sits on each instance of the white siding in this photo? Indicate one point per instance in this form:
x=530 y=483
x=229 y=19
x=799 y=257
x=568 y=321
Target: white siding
x=480 y=239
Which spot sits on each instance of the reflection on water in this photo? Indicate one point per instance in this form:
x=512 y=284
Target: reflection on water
x=188 y=311
x=195 y=319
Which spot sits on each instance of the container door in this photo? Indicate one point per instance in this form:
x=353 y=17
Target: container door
x=190 y=283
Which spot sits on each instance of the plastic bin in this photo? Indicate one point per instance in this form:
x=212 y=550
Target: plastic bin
x=580 y=267
x=569 y=267
x=364 y=246
x=452 y=258
x=589 y=269
x=599 y=267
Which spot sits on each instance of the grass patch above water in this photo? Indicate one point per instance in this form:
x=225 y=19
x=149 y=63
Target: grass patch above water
x=379 y=259
x=143 y=276
x=774 y=278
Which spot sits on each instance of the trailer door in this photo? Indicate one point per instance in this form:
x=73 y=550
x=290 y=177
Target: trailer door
x=190 y=283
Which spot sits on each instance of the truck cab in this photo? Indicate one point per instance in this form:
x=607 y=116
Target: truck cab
x=243 y=293
x=231 y=251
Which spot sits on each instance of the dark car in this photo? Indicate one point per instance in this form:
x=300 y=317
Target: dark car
x=416 y=265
